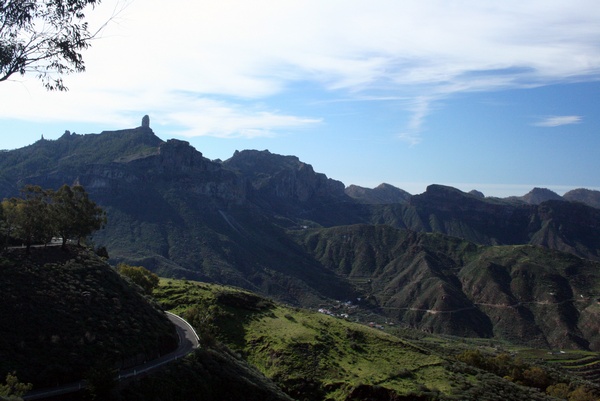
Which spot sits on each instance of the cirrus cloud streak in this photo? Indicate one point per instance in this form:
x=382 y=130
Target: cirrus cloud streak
x=557 y=121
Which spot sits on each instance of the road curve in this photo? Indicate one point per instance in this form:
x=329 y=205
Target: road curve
x=188 y=341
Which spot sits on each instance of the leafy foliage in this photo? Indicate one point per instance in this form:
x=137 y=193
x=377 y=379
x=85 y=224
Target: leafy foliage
x=101 y=381
x=43 y=37
x=74 y=214
x=28 y=218
x=140 y=276
x=43 y=214
x=12 y=389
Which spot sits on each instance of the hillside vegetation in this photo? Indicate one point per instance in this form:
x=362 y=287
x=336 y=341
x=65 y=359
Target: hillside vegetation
x=63 y=312
x=317 y=357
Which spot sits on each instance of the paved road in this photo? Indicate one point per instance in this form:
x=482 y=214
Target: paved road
x=188 y=341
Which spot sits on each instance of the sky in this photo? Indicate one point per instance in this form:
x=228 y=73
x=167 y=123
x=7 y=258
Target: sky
x=498 y=96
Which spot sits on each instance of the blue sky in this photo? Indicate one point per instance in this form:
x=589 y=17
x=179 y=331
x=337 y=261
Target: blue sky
x=487 y=95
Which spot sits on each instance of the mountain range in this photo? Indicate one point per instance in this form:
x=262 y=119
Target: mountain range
x=521 y=268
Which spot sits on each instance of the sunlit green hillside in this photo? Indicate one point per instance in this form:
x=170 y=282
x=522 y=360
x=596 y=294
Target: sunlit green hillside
x=313 y=356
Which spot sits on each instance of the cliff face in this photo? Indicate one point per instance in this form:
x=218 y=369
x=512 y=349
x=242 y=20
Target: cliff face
x=176 y=156
x=283 y=177
x=285 y=186
x=132 y=160
x=380 y=195
x=587 y=196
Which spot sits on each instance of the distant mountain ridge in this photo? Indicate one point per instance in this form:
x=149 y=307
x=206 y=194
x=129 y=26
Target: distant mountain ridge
x=382 y=194
x=242 y=222
x=447 y=285
x=587 y=196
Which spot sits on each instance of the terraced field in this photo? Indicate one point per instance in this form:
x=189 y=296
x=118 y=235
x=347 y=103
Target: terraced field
x=585 y=366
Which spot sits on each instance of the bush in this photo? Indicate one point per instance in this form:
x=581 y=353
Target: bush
x=140 y=276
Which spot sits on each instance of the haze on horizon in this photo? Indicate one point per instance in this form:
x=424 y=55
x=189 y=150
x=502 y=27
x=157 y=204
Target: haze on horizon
x=498 y=97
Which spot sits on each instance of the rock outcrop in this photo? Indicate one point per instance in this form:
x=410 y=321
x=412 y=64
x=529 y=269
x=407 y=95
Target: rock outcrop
x=587 y=196
x=381 y=195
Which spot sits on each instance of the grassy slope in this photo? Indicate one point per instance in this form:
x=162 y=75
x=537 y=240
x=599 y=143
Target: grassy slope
x=303 y=348
x=307 y=353
x=314 y=356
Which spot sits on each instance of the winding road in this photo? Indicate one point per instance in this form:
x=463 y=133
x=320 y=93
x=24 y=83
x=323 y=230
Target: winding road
x=188 y=341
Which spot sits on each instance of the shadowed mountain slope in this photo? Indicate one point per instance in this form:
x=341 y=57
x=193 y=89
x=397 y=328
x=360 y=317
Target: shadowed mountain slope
x=566 y=226
x=525 y=294
x=537 y=196
x=587 y=196
x=63 y=312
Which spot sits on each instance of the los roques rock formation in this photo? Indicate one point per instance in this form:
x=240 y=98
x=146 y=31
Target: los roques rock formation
x=525 y=269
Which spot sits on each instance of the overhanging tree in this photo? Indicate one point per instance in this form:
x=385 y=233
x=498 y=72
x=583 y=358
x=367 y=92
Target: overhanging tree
x=75 y=215
x=13 y=389
x=33 y=221
x=8 y=218
x=42 y=214
x=64 y=206
x=44 y=37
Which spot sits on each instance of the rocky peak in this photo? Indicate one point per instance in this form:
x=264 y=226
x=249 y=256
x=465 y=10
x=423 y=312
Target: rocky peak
x=146 y=121
x=382 y=194
x=587 y=196
x=477 y=193
x=445 y=198
x=177 y=155
x=257 y=162
x=443 y=193
x=284 y=177
x=539 y=195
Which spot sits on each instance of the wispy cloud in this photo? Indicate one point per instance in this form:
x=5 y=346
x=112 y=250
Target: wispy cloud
x=420 y=108
x=225 y=120
x=412 y=138
x=556 y=121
